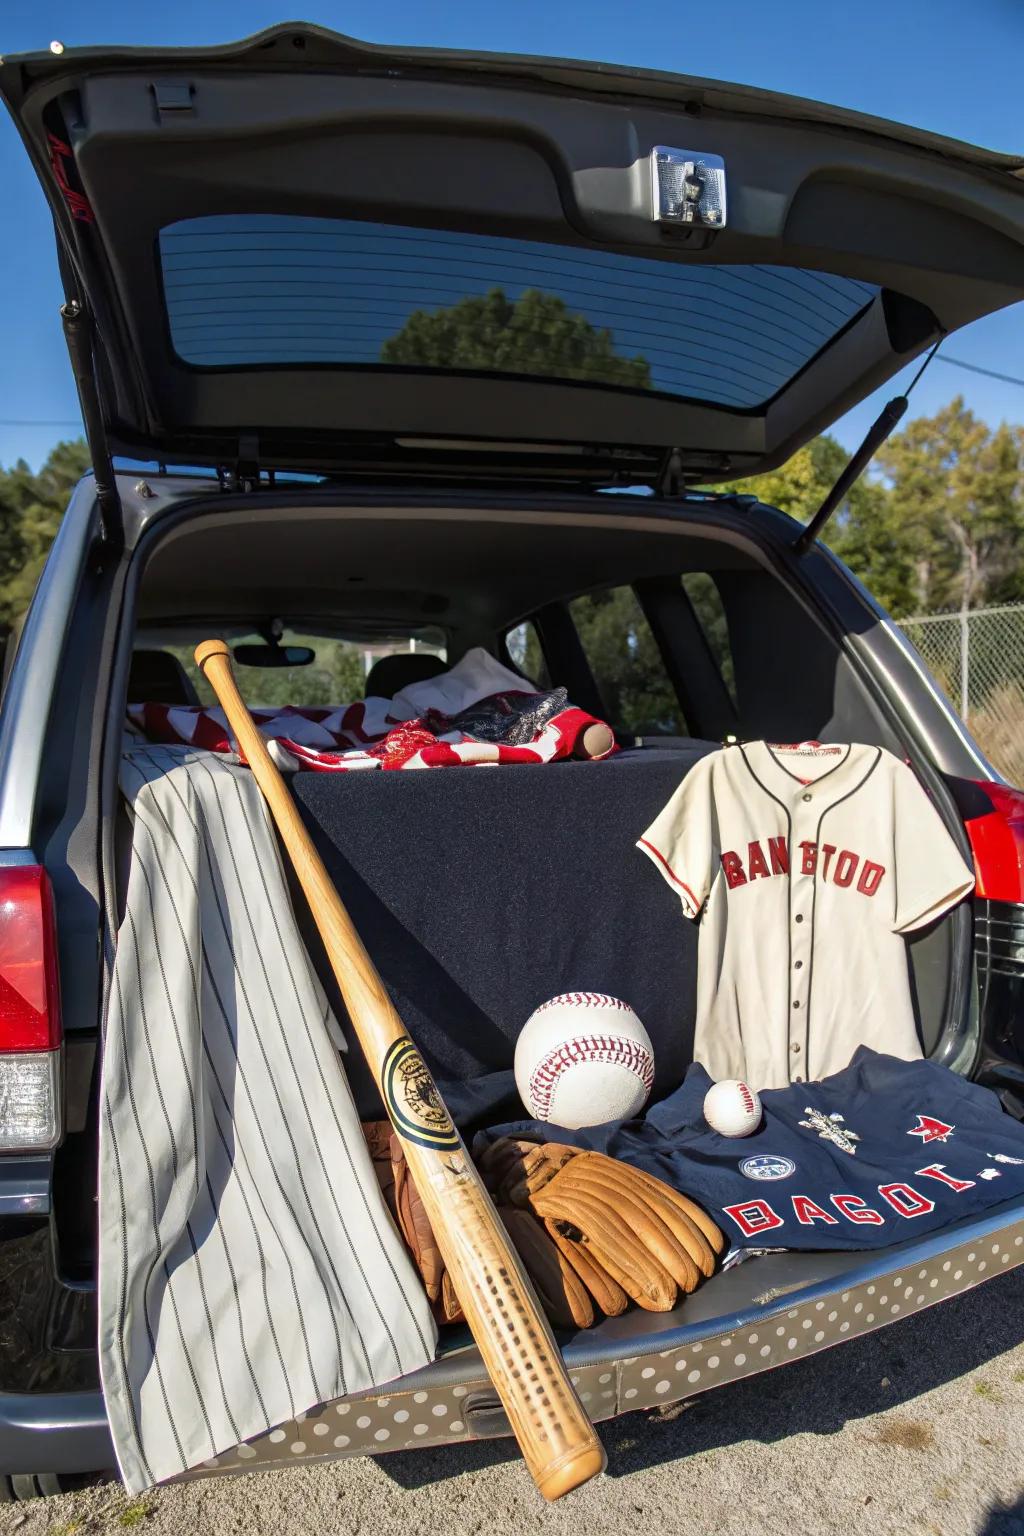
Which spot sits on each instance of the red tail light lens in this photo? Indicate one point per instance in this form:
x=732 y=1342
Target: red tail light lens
x=29 y=992
x=30 y=1029
x=997 y=841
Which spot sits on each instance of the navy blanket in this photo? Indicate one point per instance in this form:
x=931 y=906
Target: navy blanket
x=481 y=894
x=870 y=1156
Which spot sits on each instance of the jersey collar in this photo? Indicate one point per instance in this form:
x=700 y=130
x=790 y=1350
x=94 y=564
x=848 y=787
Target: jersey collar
x=823 y=773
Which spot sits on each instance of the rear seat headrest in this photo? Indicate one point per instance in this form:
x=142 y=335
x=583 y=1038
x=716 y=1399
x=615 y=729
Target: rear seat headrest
x=157 y=677
x=391 y=674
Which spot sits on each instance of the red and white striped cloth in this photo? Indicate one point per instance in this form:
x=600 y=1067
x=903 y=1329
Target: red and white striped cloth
x=419 y=728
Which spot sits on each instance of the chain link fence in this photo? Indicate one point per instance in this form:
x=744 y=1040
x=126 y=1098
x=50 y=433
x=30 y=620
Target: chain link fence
x=977 y=657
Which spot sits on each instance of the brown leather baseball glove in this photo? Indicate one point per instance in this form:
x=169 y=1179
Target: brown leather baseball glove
x=625 y=1233
x=404 y=1203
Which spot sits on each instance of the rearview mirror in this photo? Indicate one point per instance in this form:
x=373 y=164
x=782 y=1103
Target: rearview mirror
x=273 y=655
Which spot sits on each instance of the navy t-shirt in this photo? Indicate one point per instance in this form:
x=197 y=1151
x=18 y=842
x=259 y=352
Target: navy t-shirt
x=875 y=1154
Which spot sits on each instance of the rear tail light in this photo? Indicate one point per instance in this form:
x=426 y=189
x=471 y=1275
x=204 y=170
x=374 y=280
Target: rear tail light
x=997 y=841
x=30 y=1027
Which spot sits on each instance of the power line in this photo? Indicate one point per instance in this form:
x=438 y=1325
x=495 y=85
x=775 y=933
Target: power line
x=990 y=373
x=6 y=422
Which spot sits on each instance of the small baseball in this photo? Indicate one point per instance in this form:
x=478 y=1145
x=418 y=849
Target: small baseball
x=731 y=1108
x=584 y=1058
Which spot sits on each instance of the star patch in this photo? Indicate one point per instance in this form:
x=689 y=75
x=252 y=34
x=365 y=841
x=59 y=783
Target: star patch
x=931 y=1130
x=830 y=1128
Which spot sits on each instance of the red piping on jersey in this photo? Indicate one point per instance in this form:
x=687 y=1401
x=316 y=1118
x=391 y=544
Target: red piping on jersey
x=671 y=872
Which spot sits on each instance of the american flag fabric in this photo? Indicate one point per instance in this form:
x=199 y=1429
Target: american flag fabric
x=338 y=740
x=478 y=713
x=249 y=1270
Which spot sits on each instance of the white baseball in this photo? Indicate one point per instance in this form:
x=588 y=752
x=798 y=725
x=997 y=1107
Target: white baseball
x=732 y=1108
x=584 y=1058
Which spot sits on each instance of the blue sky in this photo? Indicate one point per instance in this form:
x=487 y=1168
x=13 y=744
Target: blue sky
x=938 y=64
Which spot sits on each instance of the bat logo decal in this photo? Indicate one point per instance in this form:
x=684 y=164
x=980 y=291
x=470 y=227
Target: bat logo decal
x=412 y=1099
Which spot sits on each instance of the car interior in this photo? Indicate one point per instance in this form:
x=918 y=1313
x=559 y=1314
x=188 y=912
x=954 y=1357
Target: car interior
x=738 y=652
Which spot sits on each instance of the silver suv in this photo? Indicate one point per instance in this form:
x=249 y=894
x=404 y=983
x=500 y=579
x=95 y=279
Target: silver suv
x=370 y=343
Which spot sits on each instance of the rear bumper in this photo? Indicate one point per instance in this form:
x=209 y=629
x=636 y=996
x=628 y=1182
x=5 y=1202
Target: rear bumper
x=54 y=1432
x=753 y=1318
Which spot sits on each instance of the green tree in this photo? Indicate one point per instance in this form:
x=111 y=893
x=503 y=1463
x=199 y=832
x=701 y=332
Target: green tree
x=866 y=530
x=31 y=508
x=956 y=490
x=534 y=334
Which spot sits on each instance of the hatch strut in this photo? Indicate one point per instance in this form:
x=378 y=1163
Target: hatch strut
x=890 y=416
x=80 y=336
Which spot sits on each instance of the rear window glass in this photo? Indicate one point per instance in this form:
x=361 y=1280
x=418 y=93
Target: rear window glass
x=251 y=290
x=624 y=658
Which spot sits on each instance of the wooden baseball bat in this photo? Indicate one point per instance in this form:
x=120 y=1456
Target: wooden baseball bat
x=558 y=1441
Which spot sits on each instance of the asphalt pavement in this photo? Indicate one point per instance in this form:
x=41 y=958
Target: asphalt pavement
x=918 y=1428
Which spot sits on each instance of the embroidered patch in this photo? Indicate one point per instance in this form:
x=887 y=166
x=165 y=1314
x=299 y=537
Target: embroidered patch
x=764 y=1165
x=988 y=1173
x=932 y=1130
x=1004 y=1157
x=830 y=1128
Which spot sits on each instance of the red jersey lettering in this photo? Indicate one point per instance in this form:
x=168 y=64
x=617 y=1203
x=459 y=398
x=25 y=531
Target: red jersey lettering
x=732 y=864
x=757 y=865
x=846 y=867
x=870 y=878
x=938 y=1171
x=854 y=1209
x=779 y=855
x=753 y=1216
x=905 y=1201
x=828 y=849
x=807 y=1212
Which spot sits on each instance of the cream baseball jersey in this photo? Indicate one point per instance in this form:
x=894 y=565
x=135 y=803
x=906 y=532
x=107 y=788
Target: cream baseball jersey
x=806 y=865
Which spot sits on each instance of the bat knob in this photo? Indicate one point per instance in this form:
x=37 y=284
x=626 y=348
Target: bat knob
x=206 y=649
x=596 y=741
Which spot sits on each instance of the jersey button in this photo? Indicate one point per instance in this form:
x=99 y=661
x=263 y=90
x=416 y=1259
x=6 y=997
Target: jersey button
x=795 y=1048
x=797 y=1078
x=798 y=965
x=798 y=918
x=806 y=797
x=797 y=1003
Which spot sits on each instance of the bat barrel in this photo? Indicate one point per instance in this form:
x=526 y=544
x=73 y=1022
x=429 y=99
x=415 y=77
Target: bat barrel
x=558 y=1441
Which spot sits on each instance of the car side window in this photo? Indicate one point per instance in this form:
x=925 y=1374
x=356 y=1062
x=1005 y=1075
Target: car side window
x=524 y=648
x=627 y=665
x=706 y=602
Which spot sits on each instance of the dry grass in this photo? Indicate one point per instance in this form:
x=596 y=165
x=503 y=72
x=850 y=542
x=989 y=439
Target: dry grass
x=998 y=728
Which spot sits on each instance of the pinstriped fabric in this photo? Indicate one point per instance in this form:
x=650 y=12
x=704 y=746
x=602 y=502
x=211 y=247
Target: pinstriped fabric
x=248 y=1268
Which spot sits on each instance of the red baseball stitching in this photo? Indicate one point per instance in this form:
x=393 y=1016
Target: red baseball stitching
x=614 y=1050
x=585 y=1000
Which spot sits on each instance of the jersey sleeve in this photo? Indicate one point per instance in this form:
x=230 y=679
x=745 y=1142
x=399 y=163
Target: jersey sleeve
x=930 y=875
x=680 y=840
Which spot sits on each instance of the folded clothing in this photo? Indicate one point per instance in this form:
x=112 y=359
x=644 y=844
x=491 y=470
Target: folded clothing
x=478 y=712
x=878 y=1152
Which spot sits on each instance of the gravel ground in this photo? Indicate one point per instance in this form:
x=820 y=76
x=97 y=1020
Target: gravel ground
x=916 y=1428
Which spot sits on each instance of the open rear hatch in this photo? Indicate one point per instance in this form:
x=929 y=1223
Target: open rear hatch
x=302 y=251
